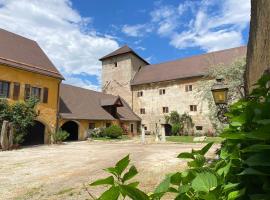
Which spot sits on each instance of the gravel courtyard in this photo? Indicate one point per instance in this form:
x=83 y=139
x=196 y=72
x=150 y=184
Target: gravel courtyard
x=60 y=171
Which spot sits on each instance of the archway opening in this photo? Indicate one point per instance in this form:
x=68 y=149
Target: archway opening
x=35 y=134
x=72 y=128
x=168 y=129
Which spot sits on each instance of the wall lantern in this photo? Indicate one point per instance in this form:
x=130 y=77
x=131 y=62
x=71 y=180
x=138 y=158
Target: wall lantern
x=220 y=94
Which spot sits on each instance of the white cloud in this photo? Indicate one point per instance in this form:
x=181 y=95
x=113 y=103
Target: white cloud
x=220 y=30
x=61 y=32
x=137 y=30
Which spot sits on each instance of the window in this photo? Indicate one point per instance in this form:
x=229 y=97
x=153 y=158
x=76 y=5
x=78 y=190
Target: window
x=193 y=108
x=199 y=128
x=165 y=109
x=140 y=94
x=35 y=92
x=188 y=88
x=91 y=126
x=16 y=91
x=45 y=95
x=108 y=125
x=145 y=128
x=161 y=91
x=131 y=128
x=142 y=110
x=115 y=64
x=4 y=89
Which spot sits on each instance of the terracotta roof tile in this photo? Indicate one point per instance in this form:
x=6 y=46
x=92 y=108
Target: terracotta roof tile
x=194 y=66
x=80 y=103
x=20 y=52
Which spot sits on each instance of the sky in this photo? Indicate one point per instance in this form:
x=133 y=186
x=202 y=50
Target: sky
x=76 y=33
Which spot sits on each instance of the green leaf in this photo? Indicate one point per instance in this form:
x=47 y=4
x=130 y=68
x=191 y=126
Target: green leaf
x=107 y=181
x=233 y=136
x=111 y=170
x=236 y=194
x=206 y=148
x=186 y=155
x=259 y=159
x=134 y=193
x=230 y=186
x=199 y=161
x=122 y=164
x=256 y=148
x=224 y=170
x=134 y=184
x=251 y=171
x=263 y=121
x=164 y=185
x=184 y=189
x=110 y=194
x=130 y=174
x=176 y=178
x=204 y=182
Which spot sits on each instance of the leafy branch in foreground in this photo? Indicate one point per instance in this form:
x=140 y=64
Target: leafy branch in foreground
x=120 y=184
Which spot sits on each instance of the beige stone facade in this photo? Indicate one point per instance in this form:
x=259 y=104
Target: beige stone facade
x=176 y=98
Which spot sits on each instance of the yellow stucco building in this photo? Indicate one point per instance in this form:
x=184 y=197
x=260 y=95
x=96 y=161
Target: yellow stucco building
x=26 y=71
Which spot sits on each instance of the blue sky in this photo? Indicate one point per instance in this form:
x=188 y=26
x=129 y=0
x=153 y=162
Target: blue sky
x=74 y=34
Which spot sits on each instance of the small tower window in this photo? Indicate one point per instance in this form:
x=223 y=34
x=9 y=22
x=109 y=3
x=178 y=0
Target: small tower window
x=165 y=109
x=115 y=64
x=162 y=91
x=142 y=111
x=193 y=108
x=199 y=128
x=140 y=94
x=188 y=88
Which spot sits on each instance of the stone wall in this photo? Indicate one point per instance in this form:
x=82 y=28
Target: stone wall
x=175 y=98
x=258 y=54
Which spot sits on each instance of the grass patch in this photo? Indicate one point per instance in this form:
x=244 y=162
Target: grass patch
x=189 y=139
x=124 y=137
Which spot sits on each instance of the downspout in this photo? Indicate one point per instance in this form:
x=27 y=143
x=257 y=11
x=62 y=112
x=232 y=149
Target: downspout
x=57 y=108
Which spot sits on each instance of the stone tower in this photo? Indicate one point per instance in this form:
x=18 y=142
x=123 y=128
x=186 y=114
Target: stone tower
x=118 y=70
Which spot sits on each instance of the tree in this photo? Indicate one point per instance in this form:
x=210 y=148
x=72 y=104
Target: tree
x=21 y=114
x=233 y=76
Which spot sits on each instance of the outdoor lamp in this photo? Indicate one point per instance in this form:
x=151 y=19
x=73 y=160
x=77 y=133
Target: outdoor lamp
x=220 y=92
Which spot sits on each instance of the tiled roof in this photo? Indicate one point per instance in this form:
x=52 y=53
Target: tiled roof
x=80 y=103
x=20 y=52
x=194 y=66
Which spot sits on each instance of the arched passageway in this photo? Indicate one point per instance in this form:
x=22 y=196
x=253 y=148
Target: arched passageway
x=35 y=134
x=168 y=129
x=72 y=128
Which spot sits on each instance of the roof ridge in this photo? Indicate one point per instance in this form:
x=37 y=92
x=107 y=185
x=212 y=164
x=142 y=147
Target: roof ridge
x=193 y=56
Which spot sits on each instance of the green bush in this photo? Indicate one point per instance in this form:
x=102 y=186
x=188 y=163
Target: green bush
x=176 y=129
x=21 y=114
x=241 y=170
x=114 y=131
x=60 y=136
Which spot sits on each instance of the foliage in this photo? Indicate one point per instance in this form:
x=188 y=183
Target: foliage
x=242 y=168
x=21 y=114
x=176 y=129
x=120 y=184
x=233 y=75
x=114 y=131
x=180 y=123
x=96 y=132
x=60 y=135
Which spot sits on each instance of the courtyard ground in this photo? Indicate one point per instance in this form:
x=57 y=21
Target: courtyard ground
x=59 y=171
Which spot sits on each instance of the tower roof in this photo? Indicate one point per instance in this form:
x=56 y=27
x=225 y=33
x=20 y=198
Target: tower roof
x=122 y=50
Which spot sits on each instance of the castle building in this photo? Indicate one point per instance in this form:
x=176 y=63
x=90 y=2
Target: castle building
x=26 y=71
x=153 y=91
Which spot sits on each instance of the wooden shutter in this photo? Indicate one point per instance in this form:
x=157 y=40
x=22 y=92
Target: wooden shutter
x=16 y=91
x=186 y=88
x=27 y=91
x=45 y=95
